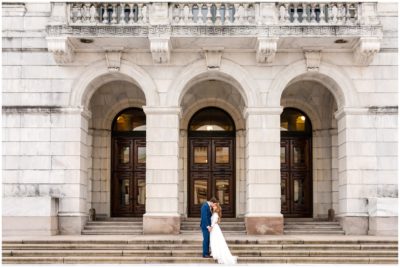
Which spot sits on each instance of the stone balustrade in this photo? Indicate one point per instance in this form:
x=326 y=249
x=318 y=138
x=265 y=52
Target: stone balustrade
x=318 y=13
x=214 y=14
x=108 y=13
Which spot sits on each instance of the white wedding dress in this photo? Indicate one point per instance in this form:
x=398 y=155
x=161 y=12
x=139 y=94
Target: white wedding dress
x=219 y=248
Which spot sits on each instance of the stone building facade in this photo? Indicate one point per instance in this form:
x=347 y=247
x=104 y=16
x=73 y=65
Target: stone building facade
x=72 y=72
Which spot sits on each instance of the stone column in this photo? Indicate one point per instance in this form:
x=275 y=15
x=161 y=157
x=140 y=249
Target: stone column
x=263 y=202
x=367 y=140
x=162 y=171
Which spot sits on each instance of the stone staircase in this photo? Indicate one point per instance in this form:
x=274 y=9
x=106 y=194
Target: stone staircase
x=187 y=249
x=114 y=226
x=309 y=226
x=228 y=226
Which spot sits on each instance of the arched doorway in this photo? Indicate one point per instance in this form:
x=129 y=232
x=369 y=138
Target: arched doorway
x=211 y=160
x=296 y=164
x=128 y=172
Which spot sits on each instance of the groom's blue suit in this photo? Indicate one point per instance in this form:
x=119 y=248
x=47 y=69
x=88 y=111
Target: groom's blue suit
x=204 y=222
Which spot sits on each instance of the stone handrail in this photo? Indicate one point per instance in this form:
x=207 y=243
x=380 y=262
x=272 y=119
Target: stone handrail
x=215 y=14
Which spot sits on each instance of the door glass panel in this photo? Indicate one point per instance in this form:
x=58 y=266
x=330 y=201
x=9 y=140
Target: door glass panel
x=200 y=155
x=141 y=193
x=222 y=155
x=298 y=155
x=283 y=155
x=298 y=192
x=222 y=191
x=141 y=155
x=124 y=155
x=124 y=192
x=200 y=191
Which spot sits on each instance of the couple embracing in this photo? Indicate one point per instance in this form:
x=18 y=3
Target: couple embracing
x=213 y=238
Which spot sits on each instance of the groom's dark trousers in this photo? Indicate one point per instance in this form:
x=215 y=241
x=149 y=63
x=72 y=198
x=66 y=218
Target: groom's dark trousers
x=205 y=221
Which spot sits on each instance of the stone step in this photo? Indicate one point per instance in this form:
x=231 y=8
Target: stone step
x=113 y=223
x=305 y=220
x=311 y=222
x=127 y=228
x=223 y=220
x=313 y=232
x=156 y=260
x=119 y=219
x=193 y=253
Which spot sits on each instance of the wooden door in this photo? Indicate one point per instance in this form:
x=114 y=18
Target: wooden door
x=128 y=187
x=211 y=173
x=296 y=179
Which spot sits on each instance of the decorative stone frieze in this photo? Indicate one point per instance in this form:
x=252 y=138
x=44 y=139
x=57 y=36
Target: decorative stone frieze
x=313 y=59
x=266 y=49
x=160 y=48
x=113 y=58
x=365 y=50
x=62 y=48
x=213 y=57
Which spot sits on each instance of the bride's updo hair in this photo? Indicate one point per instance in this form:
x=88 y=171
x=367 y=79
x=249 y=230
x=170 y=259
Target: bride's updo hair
x=218 y=209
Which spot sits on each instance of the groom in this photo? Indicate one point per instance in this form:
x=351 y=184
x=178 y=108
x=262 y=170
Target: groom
x=205 y=224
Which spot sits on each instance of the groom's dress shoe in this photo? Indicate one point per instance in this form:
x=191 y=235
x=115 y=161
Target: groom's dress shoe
x=207 y=256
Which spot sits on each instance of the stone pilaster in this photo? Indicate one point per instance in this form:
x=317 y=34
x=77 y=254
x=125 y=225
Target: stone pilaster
x=162 y=171
x=263 y=204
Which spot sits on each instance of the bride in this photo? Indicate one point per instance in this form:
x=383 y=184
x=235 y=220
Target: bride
x=219 y=248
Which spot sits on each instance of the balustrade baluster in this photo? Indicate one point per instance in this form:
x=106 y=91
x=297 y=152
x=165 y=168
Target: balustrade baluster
x=105 y=13
x=218 y=14
x=334 y=14
x=79 y=14
x=145 y=14
x=322 y=19
x=131 y=16
x=296 y=14
x=304 y=15
x=175 y=13
x=287 y=13
x=246 y=13
x=236 y=17
x=313 y=15
x=348 y=15
x=72 y=13
x=114 y=14
x=200 y=16
x=140 y=15
x=123 y=16
x=227 y=20
x=191 y=16
x=282 y=12
x=356 y=9
x=186 y=13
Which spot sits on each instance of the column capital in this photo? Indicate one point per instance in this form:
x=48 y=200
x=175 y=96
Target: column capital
x=162 y=110
x=262 y=111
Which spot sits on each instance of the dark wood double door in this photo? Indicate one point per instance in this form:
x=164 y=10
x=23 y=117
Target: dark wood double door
x=296 y=177
x=211 y=173
x=128 y=185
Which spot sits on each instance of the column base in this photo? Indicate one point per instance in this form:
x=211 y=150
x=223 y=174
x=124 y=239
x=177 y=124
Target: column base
x=354 y=225
x=264 y=225
x=385 y=226
x=30 y=225
x=72 y=225
x=153 y=224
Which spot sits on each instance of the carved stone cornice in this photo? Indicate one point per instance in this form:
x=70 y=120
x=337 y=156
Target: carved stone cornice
x=213 y=57
x=313 y=58
x=266 y=49
x=62 y=49
x=365 y=50
x=113 y=58
x=160 y=48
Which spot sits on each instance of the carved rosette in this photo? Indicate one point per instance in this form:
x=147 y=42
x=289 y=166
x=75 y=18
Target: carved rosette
x=266 y=49
x=313 y=59
x=113 y=58
x=365 y=50
x=160 y=48
x=62 y=49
